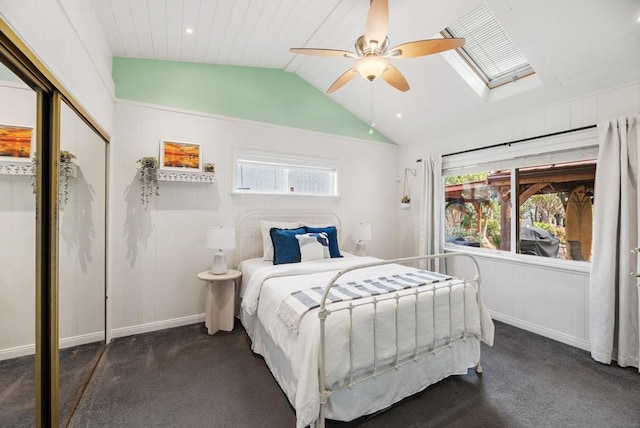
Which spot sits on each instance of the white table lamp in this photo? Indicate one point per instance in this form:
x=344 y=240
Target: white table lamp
x=361 y=232
x=220 y=238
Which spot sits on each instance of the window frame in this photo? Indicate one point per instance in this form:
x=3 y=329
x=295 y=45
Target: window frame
x=274 y=158
x=474 y=64
x=580 y=145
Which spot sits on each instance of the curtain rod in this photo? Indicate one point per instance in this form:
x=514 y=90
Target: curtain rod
x=509 y=143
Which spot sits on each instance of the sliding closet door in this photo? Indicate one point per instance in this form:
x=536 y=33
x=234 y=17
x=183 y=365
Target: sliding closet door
x=81 y=255
x=18 y=117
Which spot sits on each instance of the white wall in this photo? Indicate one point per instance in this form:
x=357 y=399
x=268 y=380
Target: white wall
x=552 y=301
x=67 y=37
x=81 y=244
x=157 y=252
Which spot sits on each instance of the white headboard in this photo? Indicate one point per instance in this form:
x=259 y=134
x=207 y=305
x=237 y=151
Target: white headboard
x=249 y=235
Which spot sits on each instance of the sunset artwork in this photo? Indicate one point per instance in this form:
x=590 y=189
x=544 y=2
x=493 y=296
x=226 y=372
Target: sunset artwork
x=15 y=142
x=180 y=155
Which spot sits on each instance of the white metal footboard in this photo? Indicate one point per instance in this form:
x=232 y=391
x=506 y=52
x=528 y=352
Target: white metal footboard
x=417 y=353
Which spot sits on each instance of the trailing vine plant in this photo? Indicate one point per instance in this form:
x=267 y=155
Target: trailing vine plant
x=148 y=178
x=65 y=170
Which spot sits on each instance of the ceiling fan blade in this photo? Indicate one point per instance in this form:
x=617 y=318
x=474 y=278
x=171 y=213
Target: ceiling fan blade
x=342 y=80
x=333 y=53
x=377 y=22
x=393 y=77
x=424 y=47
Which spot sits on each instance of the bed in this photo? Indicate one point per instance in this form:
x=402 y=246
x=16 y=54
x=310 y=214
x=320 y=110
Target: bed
x=348 y=336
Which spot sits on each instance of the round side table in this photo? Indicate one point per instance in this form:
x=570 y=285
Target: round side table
x=220 y=303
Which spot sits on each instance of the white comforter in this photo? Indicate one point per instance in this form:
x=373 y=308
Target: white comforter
x=268 y=287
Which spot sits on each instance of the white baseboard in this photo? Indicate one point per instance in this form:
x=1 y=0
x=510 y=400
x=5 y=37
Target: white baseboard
x=156 y=325
x=21 y=351
x=18 y=351
x=542 y=331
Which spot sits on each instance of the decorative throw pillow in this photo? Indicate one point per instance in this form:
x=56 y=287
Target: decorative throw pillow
x=285 y=245
x=313 y=246
x=332 y=234
x=265 y=227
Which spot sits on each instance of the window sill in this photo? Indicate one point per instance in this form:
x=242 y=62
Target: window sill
x=283 y=195
x=523 y=259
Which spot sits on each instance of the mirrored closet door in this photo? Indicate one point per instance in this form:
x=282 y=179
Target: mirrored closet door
x=18 y=113
x=81 y=255
x=78 y=302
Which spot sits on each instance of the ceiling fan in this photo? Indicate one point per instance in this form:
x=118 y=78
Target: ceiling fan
x=372 y=51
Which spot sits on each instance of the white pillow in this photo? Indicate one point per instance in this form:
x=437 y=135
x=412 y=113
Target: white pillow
x=313 y=246
x=265 y=227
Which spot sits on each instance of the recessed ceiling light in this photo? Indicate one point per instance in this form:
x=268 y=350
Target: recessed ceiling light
x=188 y=30
x=398 y=115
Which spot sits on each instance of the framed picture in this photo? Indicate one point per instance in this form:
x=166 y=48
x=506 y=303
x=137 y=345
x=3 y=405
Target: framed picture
x=16 y=143
x=178 y=155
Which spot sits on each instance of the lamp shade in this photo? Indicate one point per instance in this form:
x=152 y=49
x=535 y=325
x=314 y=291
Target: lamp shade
x=362 y=232
x=371 y=67
x=221 y=238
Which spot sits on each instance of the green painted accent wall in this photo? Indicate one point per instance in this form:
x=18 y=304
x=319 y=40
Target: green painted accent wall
x=259 y=94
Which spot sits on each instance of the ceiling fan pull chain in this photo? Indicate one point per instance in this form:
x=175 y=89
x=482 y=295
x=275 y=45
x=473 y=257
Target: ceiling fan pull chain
x=373 y=123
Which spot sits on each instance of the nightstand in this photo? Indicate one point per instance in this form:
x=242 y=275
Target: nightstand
x=220 y=303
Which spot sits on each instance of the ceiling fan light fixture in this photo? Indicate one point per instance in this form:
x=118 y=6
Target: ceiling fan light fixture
x=371 y=67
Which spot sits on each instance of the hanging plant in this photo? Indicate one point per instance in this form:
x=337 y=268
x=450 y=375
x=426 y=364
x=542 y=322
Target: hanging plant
x=34 y=169
x=65 y=171
x=405 y=202
x=148 y=178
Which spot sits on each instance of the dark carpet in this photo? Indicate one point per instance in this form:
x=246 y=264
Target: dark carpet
x=17 y=384
x=184 y=378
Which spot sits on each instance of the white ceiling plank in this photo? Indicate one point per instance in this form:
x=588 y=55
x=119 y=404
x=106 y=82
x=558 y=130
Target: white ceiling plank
x=104 y=14
x=190 y=17
x=236 y=19
x=245 y=33
x=125 y=27
x=203 y=29
x=175 y=32
x=220 y=26
x=340 y=31
x=140 y=16
x=259 y=38
x=158 y=24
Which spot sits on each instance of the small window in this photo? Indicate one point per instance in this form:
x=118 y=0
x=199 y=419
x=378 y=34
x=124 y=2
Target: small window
x=488 y=49
x=272 y=174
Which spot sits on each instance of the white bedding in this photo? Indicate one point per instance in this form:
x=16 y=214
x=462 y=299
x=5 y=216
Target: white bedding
x=266 y=286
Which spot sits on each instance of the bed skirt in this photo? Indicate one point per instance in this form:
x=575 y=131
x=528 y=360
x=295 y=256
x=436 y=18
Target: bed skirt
x=371 y=395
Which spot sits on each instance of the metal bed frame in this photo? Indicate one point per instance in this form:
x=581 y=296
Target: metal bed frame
x=417 y=354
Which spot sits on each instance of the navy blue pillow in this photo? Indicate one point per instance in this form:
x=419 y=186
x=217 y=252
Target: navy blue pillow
x=332 y=234
x=285 y=245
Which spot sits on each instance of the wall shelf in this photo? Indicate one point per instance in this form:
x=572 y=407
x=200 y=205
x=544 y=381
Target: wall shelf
x=186 y=176
x=16 y=168
x=26 y=169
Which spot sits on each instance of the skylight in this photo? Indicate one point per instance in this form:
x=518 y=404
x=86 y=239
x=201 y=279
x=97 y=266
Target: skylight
x=488 y=49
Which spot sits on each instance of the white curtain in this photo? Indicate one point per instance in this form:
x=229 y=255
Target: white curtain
x=613 y=315
x=431 y=211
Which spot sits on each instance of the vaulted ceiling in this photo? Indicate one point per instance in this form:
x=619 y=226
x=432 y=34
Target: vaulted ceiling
x=576 y=47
